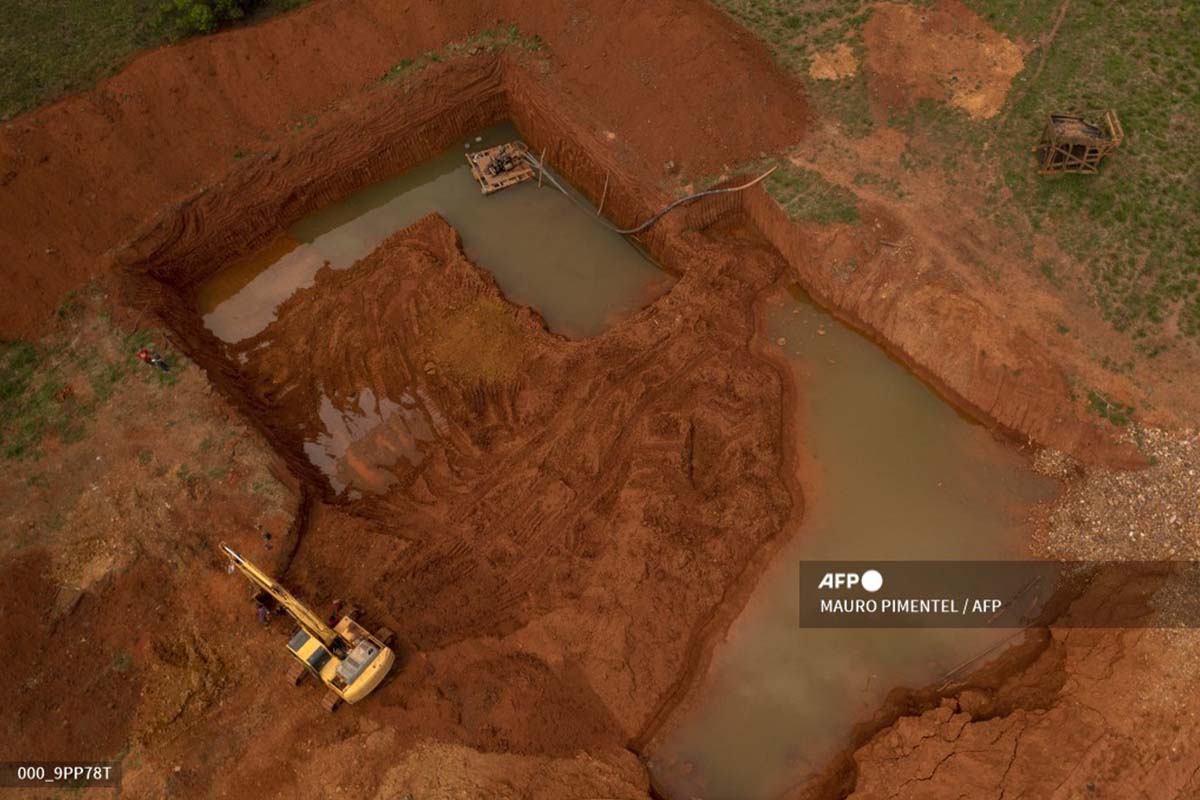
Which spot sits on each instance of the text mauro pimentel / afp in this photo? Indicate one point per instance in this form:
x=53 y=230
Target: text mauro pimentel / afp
x=902 y=605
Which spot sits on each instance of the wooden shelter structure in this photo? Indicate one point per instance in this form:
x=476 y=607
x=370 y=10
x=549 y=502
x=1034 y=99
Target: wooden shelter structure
x=1072 y=143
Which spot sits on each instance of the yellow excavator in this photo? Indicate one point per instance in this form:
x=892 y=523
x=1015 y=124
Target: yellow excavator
x=346 y=657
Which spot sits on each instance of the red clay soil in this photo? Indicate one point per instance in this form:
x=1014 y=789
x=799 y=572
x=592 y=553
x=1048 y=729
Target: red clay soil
x=571 y=500
x=79 y=177
x=557 y=548
x=73 y=189
x=914 y=302
x=945 y=53
x=1073 y=712
x=583 y=517
x=117 y=622
x=100 y=713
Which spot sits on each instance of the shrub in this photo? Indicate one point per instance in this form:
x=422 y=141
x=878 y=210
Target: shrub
x=189 y=17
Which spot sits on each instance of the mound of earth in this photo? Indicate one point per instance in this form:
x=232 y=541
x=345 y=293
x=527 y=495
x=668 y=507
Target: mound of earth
x=565 y=496
x=834 y=64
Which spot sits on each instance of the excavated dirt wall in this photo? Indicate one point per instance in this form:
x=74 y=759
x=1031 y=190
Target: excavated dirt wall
x=996 y=373
x=578 y=150
x=1034 y=675
x=683 y=337
x=163 y=266
x=377 y=137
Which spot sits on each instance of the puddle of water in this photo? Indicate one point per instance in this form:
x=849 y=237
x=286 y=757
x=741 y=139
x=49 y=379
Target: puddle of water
x=543 y=250
x=363 y=439
x=895 y=473
x=241 y=299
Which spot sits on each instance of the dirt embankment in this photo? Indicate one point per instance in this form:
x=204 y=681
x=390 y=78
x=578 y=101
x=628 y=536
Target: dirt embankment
x=71 y=192
x=910 y=300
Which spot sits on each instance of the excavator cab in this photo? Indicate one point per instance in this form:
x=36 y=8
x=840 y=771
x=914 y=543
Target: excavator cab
x=351 y=666
x=309 y=651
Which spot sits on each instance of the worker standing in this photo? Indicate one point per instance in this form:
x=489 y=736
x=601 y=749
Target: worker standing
x=336 y=614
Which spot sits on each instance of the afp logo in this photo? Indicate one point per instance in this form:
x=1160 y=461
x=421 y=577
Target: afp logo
x=871 y=580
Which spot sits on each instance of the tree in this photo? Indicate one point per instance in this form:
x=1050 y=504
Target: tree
x=190 y=17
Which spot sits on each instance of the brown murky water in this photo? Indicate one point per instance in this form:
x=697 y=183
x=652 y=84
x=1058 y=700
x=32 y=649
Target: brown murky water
x=544 y=251
x=892 y=472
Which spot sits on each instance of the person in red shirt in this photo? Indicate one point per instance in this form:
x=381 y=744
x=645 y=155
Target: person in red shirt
x=152 y=358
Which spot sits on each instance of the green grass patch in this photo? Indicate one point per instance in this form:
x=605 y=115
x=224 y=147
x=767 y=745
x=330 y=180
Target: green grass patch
x=871 y=180
x=28 y=408
x=808 y=197
x=1020 y=19
x=1100 y=404
x=796 y=31
x=51 y=47
x=1134 y=223
x=488 y=41
x=42 y=384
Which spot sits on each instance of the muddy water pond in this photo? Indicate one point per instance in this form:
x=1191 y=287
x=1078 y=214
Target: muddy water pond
x=889 y=471
x=544 y=251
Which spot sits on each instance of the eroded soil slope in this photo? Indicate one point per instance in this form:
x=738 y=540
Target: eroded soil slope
x=1099 y=713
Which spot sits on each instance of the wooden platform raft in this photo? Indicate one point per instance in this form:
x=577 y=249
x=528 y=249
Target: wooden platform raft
x=1072 y=143
x=500 y=167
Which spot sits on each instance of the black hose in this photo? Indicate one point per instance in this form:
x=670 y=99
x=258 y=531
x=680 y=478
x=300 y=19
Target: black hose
x=662 y=212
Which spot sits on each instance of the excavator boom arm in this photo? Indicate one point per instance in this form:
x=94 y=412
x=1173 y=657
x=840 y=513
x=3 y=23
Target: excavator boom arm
x=304 y=616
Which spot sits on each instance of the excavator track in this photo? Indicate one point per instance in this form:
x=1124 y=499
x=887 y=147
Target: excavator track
x=332 y=701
